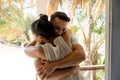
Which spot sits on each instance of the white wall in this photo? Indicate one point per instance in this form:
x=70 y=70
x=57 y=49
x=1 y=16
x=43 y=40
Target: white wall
x=41 y=6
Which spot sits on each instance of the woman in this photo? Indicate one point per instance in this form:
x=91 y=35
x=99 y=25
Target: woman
x=54 y=47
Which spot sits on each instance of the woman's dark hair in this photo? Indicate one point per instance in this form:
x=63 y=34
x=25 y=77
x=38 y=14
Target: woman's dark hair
x=60 y=15
x=43 y=27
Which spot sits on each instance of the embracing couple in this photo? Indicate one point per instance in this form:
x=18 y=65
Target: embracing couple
x=56 y=51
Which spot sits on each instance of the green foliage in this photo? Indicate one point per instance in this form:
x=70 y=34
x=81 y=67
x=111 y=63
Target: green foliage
x=99 y=25
x=2 y=21
x=15 y=23
x=101 y=75
x=97 y=35
x=73 y=28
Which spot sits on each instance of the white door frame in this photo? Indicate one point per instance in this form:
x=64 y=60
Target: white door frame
x=108 y=39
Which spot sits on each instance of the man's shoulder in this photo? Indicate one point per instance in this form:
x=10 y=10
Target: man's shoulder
x=68 y=32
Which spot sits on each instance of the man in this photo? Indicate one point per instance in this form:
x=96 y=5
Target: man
x=60 y=21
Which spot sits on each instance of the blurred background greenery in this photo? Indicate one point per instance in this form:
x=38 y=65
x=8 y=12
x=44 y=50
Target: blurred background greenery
x=87 y=24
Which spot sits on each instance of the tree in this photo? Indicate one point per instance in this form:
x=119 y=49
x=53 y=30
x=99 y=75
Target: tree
x=13 y=22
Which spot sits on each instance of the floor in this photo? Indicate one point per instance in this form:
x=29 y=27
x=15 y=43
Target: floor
x=15 y=65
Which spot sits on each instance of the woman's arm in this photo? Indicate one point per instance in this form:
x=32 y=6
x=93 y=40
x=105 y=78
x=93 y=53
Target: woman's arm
x=32 y=43
x=33 y=51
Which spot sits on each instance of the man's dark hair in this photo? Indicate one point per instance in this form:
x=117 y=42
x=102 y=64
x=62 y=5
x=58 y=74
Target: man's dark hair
x=43 y=27
x=60 y=15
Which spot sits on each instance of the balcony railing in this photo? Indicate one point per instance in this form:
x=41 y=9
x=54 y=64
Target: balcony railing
x=92 y=67
x=92 y=72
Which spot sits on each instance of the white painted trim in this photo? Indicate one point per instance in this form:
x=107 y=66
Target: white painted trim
x=108 y=39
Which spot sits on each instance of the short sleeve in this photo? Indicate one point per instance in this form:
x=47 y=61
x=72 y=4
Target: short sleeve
x=74 y=40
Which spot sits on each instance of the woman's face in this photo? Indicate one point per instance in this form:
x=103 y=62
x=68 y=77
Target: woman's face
x=37 y=38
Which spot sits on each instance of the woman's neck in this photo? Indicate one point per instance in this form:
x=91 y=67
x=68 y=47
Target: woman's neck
x=51 y=41
x=48 y=41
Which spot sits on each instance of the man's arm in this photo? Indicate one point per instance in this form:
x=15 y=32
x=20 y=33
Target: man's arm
x=57 y=74
x=73 y=59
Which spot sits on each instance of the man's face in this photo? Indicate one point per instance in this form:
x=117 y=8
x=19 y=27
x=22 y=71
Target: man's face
x=59 y=26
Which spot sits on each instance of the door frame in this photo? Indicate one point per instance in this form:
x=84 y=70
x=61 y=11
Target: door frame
x=108 y=39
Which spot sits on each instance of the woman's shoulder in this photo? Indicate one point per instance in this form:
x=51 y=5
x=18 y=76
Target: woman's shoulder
x=41 y=53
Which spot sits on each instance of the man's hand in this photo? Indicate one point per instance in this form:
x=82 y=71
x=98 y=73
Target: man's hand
x=75 y=69
x=45 y=70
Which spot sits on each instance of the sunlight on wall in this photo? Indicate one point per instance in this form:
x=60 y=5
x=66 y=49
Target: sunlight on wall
x=15 y=65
